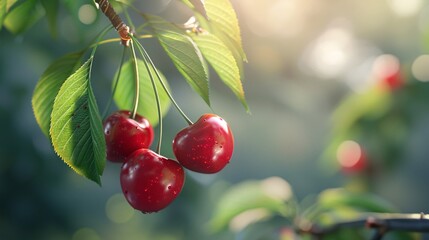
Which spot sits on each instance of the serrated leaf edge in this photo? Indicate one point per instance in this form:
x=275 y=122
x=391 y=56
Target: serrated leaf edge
x=78 y=171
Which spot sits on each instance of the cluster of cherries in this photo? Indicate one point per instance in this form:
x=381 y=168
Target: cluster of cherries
x=149 y=181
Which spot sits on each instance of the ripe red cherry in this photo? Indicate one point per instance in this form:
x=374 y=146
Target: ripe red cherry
x=150 y=182
x=205 y=146
x=124 y=135
x=387 y=70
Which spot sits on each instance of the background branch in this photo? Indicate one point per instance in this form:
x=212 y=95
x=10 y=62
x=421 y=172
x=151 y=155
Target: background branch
x=381 y=222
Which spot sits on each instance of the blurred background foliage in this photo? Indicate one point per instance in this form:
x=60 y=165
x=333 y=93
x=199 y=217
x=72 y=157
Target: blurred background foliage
x=311 y=84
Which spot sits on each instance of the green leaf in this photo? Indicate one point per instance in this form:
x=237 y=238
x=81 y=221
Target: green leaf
x=10 y=3
x=125 y=92
x=3 y=11
x=188 y=3
x=365 y=202
x=76 y=126
x=206 y=25
x=222 y=61
x=184 y=53
x=48 y=87
x=198 y=5
x=121 y=5
x=22 y=16
x=267 y=198
x=51 y=9
x=221 y=13
x=371 y=104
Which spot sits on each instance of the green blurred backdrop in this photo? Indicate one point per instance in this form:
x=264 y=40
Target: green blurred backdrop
x=305 y=57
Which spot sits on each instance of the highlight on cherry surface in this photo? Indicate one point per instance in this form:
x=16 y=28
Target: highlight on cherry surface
x=205 y=146
x=149 y=181
x=124 y=134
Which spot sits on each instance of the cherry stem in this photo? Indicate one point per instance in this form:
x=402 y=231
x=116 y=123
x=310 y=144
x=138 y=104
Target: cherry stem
x=164 y=86
x=99 y=37
x=111 y=40
x=155 y=89
x=147 y=57
x=115 y=85
x=137 y=82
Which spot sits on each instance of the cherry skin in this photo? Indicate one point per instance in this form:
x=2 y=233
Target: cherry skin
x=124 y=135
x=205 y=146
x=149 y=181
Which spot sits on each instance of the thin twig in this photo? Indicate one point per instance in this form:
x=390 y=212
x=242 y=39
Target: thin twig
x=381 y=222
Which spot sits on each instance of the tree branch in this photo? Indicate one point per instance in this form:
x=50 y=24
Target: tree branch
x=381 y=222
x=118 y=24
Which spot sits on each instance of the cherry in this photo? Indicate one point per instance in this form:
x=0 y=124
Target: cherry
x=150 y=182
x=205 y=146
x=124 y=135
x=386 y=69
x=351 y=157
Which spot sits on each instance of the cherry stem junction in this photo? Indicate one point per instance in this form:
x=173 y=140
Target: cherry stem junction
x=122 y=28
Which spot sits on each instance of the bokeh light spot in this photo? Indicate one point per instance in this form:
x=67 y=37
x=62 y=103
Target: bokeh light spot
x=405 y=8
x=331 y=54
x=420 y=68
x=87 y=14
x=349 y=153
x=277 y=188
x=118 y=210
x=385 y=65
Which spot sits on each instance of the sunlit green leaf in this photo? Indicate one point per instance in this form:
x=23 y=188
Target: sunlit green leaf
x=10 y=3
x=266 y=198
x=184 y=53
x=76 y=126
x=206 y=25
x=222 y=14
x=48 y=87
x=197 y=5
x=222 y=61
x=22 y=16
x=203 y=22
x=51 y=9
x=120 y=5
x=125 y=92
x=5 y=5
x=3 y=11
